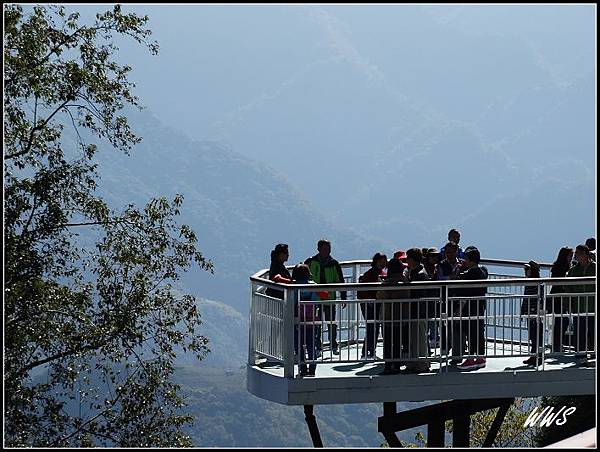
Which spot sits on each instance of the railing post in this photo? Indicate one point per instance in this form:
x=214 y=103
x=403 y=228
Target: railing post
x=288 y=333
x=447 y=331
x=251 y=326
x=542 y=320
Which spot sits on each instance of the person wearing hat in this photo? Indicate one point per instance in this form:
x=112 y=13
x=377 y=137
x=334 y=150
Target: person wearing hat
x=279 y=255
x=401 y=255
x=432 y=259
x=530 y=307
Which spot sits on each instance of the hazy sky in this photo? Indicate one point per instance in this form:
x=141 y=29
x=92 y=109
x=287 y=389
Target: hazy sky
x=472 y=109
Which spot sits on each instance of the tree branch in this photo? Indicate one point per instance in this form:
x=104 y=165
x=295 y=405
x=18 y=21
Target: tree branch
x=66 y=438
x=32 y=133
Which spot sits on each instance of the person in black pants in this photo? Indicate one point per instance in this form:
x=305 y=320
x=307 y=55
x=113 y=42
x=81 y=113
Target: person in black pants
x=371 y=310
x=475 y=328
x=530 y=308
x=326 y=270
x=556 y=304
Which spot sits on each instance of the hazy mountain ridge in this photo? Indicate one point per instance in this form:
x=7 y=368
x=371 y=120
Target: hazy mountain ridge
x=239 y=208
x=379 y=130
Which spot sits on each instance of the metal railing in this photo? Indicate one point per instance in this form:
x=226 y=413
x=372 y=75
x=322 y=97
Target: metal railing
x=422 y=323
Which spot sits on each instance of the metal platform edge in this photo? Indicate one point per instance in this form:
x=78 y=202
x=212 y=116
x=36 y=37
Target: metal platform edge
x=417 y=388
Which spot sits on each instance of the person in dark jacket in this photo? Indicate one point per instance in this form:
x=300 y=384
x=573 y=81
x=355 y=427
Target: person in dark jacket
x=431 y=262
x=391 y=315
x=583 y=306
x=556 y=304
x=279 y=255
x=475 y=328
x=449 y=266
x=371 y=310
x=591 y=244
x=326 y=270
x=419 y=311
x=530 y=307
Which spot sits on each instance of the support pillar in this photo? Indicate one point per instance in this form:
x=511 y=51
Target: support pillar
x=461 y=429
x=313 y=428
x=388 y=432
x=495 y=427
x=436 y=433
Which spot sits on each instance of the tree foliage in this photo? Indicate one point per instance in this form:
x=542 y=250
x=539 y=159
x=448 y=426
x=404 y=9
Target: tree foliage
x=581 y=420
x=91 y=330
x=512 y=433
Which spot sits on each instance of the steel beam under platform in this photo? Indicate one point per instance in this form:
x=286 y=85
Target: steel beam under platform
x=435 y=417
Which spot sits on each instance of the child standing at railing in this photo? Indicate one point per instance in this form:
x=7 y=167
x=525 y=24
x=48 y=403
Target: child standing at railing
x=304 y=336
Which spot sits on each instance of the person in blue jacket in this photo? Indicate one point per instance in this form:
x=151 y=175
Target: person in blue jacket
x=453 y=236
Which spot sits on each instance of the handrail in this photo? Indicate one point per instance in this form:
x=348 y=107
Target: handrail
x=344 y=287
x=274 y=325
x=488 y=261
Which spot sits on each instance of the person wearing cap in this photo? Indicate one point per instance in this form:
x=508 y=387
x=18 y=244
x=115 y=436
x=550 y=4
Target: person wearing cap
x=279 y=255
x=371 y=310
x=432 y=259
x=582 y=305
x=474 y=307
x=326 y=270
x=453 y=236
x=530 y=307
x=401 y=255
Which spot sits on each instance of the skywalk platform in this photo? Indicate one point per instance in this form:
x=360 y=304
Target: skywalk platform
x=278 y=331
x=360 y=382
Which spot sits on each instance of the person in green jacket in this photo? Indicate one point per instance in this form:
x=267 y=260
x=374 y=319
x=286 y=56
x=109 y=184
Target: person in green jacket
x=584 y=324
x=326 y=270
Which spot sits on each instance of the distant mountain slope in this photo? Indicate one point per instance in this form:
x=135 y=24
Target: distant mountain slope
x=229 y=416
x=239 y=208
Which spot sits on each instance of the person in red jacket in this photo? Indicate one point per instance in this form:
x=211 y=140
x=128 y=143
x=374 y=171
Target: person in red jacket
x=371 y=309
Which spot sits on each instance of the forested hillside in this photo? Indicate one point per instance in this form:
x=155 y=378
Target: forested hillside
x=229 y=416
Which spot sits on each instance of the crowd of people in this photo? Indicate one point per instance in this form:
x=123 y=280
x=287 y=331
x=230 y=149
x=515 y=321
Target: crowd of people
x=409 y=333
